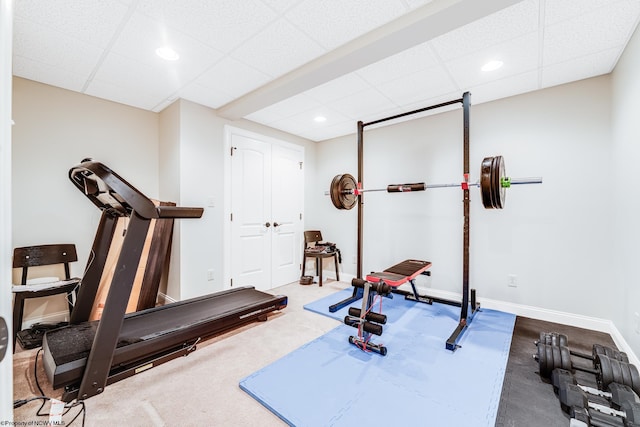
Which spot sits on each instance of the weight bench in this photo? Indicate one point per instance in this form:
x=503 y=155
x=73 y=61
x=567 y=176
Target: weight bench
x=379 y=285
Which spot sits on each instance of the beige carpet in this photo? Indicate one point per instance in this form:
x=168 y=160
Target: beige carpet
x=202 y=388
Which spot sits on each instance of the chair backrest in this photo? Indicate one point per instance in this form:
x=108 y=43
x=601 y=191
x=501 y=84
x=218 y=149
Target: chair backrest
x=312 y=236
x=35 y=256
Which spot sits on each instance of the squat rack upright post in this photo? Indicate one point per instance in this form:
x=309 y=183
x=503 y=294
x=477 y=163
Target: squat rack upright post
x=468 y=295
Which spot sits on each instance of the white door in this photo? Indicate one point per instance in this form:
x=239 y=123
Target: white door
x=266 y=205
x=286 y=212
x=250 y=213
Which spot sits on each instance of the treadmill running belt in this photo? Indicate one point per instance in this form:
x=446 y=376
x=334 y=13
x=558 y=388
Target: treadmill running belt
x=155 y=330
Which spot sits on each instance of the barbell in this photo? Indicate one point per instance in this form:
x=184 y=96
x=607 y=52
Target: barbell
x=344 y=190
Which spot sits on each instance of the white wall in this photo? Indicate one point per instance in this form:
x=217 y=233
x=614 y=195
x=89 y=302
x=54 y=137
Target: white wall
x=176 y=155
x=54 y=130
x=555 y=237
x=625 y=309
x=201 y=172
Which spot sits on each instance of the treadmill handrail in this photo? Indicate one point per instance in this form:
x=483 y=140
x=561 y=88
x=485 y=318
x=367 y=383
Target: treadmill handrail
x=116 y=184
x=179 y=212
x=121 y=191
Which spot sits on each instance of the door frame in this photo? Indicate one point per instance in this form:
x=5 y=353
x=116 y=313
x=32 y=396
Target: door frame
x=229 y=131
x=6 y=297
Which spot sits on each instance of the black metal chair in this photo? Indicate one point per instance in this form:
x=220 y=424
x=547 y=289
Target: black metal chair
x=315 y=247
x=37 y=256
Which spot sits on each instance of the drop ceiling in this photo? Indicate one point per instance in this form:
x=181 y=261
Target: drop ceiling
x=282 y=63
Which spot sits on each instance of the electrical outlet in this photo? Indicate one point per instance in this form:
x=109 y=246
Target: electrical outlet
x=512 y=281
x=637 y=322
x=353 y=260
x=210 y=274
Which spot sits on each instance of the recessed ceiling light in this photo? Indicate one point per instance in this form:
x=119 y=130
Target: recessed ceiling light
x=492 y=65
x=320 y=119
x=167 y=53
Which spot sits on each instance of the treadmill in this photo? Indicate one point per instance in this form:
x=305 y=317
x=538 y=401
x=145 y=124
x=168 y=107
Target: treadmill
x=86 y=356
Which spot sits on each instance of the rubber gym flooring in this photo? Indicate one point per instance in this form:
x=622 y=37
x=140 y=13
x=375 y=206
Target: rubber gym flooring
x=526 y=399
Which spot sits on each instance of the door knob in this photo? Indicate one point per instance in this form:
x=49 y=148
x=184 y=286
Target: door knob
x=267 y=224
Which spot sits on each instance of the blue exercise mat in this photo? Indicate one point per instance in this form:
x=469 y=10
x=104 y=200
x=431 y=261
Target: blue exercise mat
x=329 y=382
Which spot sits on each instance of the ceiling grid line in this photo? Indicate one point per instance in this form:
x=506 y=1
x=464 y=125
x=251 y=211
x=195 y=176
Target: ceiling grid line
x=116 y=35
x=281 y=62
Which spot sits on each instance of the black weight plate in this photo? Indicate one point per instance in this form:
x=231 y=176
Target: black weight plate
x=334 y=191
x=499 y=193
x=606 y=374
x=495 y=182
x=597 y=349
x=565 y=357
x=341 y=192
x=550 y=361
x=563 y=340
x=635 y=378
x=542 y=361
x=625 y=373
x=556 y=358
x=485 y=183
x=616 y=371
x=543 y=338
x=540 y=357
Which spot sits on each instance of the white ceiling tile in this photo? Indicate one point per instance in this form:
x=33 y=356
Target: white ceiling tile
x=321 y=134
x=556 y=11
x=509 y=86
x=45 y=73
x=222 y=24
x=602 y=29
x=203 y=95
x=418 y=86
x=366 y=118
x=368 y=101
x=55 y=49
x=280 y=6
x=502 y=26
x=157 y=82
x=580 y=68
x=284 y=109
x=335 y=22
x=142 y=36
x=315 y=132
x=92 y=21
x=279 y=48
x=127 y=95
x=338 y=88
x=401 y=64
x=519 y=55
x=233 y=77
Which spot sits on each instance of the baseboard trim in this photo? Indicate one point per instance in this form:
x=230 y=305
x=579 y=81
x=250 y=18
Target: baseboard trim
x=547 y=315
x=577 y=320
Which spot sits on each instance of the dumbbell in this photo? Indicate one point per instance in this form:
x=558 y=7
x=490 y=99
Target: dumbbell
x=556 y=339
x=602 y=416
x=576 y=400
x=606 y=369
x=615 y=395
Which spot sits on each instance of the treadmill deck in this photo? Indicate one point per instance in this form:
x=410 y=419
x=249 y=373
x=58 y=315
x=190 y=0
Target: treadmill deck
x=155 y=331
